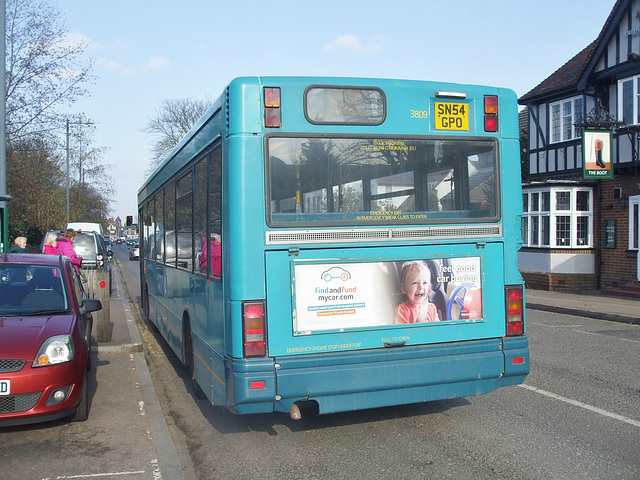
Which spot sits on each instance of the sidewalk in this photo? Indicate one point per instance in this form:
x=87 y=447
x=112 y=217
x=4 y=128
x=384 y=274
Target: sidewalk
x=592 y=304
x=126 y=339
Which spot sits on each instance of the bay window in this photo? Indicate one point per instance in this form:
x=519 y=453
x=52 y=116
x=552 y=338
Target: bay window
x=558 y=217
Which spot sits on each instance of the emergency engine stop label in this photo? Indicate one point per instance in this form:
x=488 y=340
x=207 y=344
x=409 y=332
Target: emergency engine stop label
x=452 y=116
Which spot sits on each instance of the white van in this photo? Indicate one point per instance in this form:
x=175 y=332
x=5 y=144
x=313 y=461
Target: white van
x=86 y=227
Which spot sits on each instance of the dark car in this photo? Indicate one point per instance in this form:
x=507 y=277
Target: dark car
x=92 y=248
x=109 y=244
x=45 y=339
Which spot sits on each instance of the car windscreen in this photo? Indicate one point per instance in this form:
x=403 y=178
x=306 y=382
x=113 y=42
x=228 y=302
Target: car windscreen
x=27 y=289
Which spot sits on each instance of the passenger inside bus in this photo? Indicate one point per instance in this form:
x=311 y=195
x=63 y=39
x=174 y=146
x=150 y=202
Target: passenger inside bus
x=211 y=254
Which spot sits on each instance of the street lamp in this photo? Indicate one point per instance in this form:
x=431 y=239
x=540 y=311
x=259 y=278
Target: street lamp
x=68 y=123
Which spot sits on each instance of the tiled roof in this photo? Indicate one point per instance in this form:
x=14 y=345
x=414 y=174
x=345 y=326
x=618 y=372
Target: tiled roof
x=565 y=77
x=523 y=119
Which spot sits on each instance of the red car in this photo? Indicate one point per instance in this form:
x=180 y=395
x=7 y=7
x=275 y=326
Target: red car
x=45 y=339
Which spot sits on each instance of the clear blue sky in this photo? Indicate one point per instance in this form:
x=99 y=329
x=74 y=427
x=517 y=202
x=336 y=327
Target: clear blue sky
x=149 y=51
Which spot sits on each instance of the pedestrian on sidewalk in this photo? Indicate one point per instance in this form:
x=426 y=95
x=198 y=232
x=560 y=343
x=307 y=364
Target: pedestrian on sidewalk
x=20 y=245
x=50 y=242
x=64 y=246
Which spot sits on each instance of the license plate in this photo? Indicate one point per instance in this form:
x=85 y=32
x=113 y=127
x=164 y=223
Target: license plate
x=5 y=387
x=452 y=116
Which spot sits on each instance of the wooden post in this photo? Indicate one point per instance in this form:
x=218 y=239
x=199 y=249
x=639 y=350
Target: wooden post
x=97 y=287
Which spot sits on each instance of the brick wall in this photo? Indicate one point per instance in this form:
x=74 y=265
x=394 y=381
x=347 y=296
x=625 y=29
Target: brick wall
x=618 y=265
x=558 y=282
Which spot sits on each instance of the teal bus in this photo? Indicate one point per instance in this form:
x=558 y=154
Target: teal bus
x=334 y=244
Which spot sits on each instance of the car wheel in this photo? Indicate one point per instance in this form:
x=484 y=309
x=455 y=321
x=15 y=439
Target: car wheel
x=82 y=410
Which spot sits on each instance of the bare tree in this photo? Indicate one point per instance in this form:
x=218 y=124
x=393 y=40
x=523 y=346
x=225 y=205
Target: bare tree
x=93 y=184
x=44 y=68
x=172 y=120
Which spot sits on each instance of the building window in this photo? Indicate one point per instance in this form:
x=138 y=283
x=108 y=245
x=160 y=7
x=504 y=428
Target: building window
x=565 y=222
x=634 y=222
x=563 y=230
x=564 y=117
x=629 y=100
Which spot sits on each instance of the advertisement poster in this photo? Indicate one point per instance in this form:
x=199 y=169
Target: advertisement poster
x=355 y=295
x=596 y=150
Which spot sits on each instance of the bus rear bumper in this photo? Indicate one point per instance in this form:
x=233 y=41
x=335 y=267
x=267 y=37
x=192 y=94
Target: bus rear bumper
x=516 y=360
x=356 y=380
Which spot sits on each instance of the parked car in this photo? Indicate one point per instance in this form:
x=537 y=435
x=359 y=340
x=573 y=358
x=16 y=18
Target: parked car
x=45 y=340
x=91 y=247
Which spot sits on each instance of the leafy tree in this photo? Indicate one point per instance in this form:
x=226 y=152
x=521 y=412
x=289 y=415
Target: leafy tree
x=88 y=204
x=172 y=120
x=36 y=184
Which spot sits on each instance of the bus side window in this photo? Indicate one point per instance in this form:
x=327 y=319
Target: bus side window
x=215 y=213
x=200 y=213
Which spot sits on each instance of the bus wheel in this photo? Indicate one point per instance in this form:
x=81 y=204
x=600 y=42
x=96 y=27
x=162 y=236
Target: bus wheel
x=190 y=360
x=145 y=301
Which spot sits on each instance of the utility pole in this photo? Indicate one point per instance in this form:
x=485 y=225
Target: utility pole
x=67 y=173
x=4 y=198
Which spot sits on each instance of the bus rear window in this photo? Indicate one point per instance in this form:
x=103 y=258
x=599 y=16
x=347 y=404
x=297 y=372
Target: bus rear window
x=344 y=106
x=366 y=181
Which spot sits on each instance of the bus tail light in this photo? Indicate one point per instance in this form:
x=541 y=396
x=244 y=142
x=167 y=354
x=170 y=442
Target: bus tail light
x=272 y=117
x=254 y=329
x=490 y=113
x=514 y=310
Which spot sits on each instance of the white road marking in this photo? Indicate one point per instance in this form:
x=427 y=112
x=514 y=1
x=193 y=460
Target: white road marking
x=591 y=408
x=96 y=475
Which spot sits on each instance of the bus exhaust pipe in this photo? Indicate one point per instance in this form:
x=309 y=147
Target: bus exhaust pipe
x=295 y=413
x=304 y=408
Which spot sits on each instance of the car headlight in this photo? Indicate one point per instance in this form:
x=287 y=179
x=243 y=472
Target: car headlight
x=54 y=350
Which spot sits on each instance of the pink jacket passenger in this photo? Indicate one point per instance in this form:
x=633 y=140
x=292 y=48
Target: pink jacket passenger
x=65 y=247
x=213 y=254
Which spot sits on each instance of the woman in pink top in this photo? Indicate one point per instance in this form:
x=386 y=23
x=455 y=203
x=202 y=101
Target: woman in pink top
x=64 y=246
x=50 y=241
x=415 y=284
